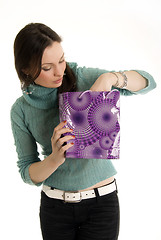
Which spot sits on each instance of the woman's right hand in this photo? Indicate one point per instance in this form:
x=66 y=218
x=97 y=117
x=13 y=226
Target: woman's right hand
x=57 y=142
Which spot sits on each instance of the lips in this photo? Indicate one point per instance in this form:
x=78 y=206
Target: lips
x=58 y=81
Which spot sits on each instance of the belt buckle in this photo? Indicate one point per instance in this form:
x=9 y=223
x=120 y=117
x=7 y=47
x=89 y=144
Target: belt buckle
x=67 y=200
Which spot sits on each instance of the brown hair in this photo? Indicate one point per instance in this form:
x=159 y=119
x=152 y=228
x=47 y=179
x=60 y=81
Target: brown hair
x=29 y=46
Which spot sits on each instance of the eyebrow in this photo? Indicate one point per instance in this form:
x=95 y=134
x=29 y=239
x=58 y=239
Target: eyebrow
x=62 y=56
x=52 y=63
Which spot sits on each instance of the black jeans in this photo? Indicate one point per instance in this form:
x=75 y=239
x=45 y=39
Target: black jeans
x=90 y=219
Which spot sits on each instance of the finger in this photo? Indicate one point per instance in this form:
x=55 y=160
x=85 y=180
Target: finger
x=61 y=125
x=58 y=145
x=66 y=147
x=58 y=127
x=59 y=134
x=63 y=140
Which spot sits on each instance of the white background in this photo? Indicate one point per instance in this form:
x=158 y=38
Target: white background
x=115 y=35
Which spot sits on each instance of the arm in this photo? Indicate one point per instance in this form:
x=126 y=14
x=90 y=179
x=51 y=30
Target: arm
x=34 y=171
x=40 y=171
x=136 y=82
x=106 y=81
x=86 y=77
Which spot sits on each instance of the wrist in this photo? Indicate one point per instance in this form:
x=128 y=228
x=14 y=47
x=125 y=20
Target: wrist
x=55 y=161
x=52 y=161
x=122 y=80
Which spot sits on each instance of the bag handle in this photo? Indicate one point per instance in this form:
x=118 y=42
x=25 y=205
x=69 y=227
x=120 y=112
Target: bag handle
x=84 y=93
x=104 y=95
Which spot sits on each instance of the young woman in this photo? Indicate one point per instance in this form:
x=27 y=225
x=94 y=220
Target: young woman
x=79 y=196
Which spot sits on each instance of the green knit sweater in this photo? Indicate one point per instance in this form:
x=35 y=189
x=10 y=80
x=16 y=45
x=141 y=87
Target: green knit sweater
x=33 y=119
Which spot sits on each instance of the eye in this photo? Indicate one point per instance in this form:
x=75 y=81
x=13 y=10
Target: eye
x=61 y=61
x=46 y=69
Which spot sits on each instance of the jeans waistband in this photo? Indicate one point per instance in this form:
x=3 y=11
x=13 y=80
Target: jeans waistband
x=77 y=196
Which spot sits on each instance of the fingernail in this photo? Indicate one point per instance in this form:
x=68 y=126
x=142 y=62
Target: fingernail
x=71 y=129
x=73 y=136
x=72 y=143
x=65 y=121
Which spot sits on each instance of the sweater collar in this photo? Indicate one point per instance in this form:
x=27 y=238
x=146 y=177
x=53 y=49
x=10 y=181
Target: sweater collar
x=41 y=97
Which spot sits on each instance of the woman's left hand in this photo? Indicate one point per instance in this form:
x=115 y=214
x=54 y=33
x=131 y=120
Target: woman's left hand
x=104 y=82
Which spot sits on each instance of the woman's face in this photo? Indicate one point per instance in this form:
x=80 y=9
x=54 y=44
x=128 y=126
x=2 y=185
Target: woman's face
x=53 y=66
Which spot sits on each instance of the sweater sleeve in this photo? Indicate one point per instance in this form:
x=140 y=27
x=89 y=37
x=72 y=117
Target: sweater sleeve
x=87 y=76
x=25 y=143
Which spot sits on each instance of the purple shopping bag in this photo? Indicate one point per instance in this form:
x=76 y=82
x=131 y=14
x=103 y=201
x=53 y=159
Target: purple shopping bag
x=95 y=120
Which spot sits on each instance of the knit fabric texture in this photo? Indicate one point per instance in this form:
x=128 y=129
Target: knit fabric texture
x=33 y=119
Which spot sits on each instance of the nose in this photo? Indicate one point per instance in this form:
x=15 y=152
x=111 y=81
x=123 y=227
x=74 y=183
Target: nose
x=58 y=71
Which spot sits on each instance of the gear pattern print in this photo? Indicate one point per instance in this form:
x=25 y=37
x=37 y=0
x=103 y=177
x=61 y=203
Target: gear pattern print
x=95 y=120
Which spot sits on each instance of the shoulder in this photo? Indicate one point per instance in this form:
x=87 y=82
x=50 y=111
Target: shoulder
x=17 y=109
x=17 y=104
x=83 y=69
x=17 y=115
x=73 y=66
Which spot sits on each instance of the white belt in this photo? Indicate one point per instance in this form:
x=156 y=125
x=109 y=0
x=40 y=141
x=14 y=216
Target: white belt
x=78 y=196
